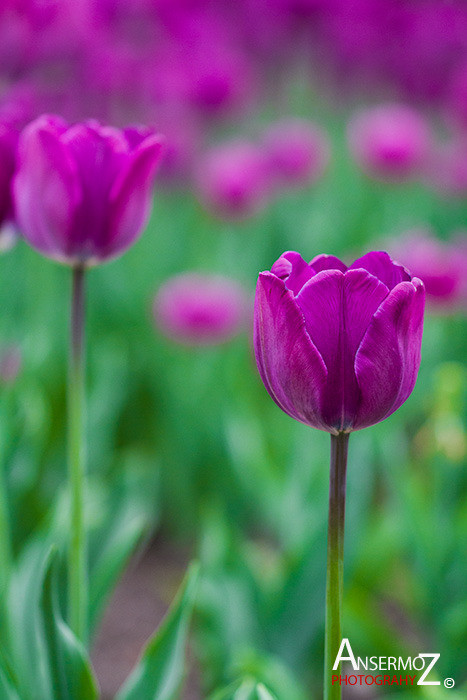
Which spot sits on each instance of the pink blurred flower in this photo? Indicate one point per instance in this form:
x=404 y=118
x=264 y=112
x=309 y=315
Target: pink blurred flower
x=446 y=170
x=233 y=181
x=10 y=363
x=296 y=151
x=441 y=266
x=196 y=309
x=390 y=141
x=8 y=146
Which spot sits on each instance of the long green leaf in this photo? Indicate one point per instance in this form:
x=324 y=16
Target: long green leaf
x=160 y=672
x=70 y=670
x=8 y=686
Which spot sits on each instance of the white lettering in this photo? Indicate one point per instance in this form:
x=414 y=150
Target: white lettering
x=434 y=658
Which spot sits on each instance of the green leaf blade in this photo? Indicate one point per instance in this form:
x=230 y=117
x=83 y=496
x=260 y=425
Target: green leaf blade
x=160 y=672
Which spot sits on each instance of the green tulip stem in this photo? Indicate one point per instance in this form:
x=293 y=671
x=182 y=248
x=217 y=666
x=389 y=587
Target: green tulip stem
x=77 y=562
x=5 y=534
x=5 y=531
x=335 y=567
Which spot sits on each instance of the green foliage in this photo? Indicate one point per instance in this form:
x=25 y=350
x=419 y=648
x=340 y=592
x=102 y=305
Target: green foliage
x=70 y=672
x=50 y=663
x=186 y=442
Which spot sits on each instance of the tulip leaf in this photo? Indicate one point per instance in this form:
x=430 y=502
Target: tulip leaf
x=70 y=671
x=160 y=672
x=29 y=655
x=8 y=688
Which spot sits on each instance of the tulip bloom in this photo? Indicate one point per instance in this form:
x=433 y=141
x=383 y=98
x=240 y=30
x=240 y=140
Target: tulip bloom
x=83 y=193
x=8 y=145
x=233 y=180
x=440 y=265
x=338 y=348
x=196 y=309
x=390 y=142
x=297 y=152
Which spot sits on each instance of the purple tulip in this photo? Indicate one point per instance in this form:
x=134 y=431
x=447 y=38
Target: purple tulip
x=8 y=146
x=338 y=347
x=441 y=266
x=446 y=170
x=196 y=309
x=297 y=152
x=390 y=142
x=233 y=180
x=83 y=192
x=10 y=363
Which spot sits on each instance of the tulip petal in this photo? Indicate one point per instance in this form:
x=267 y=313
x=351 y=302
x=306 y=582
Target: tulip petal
x=381 y=265
x=131 y=194
x=387 y=361
x=98 y=153
x=293 y=269
x=363 y=294
x=321 y=303
x=327 y=262
x=290 y=366
x=46 y=189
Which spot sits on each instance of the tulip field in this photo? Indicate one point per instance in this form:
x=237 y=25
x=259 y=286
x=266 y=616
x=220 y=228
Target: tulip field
x=234 y=320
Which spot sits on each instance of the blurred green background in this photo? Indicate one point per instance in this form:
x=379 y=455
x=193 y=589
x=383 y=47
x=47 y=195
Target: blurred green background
x=185 y=445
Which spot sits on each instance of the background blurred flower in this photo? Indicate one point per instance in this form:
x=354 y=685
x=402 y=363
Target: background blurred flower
x=441 y=266
x=390 y=141
x=446 y=170
x=197 y=309
x=8 y=145
x=83 y=192
x=233 y=180
x=296 y=151
x=10 y=363
x=338 y=348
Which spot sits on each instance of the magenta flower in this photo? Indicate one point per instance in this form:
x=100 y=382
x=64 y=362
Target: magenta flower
x=10 y=363
x=297 y=152
x=8 y=146
x=196 y=309
x=338 y=347
x=441 y=266
x=233 y=180
x=390 y=142
x=83 y=193
x=446 y=170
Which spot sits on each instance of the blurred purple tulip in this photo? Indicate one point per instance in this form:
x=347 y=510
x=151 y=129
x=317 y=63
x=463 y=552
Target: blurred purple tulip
x=338 y=347
x=8 y=146
x=390 y=141
x=441 y=266
x=196 y=309
x=83 y=193
x=10 y=363
x=446 y=170
x=233 y=180
x=296 y=151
